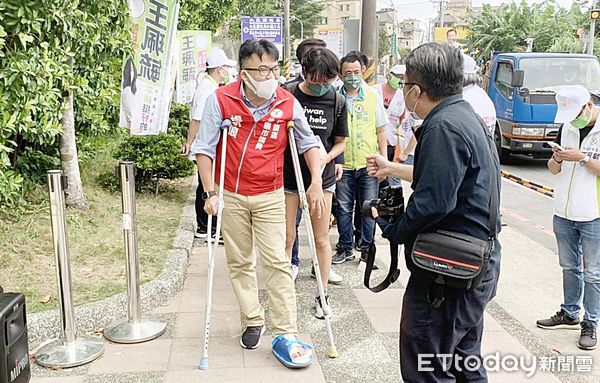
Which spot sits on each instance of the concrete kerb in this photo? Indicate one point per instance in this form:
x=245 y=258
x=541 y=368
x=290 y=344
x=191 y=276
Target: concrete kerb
x=94 y=316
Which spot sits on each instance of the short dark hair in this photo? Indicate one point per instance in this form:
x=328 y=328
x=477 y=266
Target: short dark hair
x=354 y=56
x=364 y=60
x=437 y=68
x=259 y=47
x=321 y=63
x=307 y=45
x=450 y=30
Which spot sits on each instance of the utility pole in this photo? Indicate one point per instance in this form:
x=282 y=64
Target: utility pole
x=287 y=47
x=593 y=16
x=441 y=13
x=368 y=38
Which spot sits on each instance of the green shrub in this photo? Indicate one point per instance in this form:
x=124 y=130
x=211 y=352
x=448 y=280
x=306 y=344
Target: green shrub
x=154 y=156
x=10 y=188
x=179 y=119
x=34 y=165
x=108 y=181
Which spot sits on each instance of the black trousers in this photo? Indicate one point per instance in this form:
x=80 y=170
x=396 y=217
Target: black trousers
x=453 y=329
x=201 y=215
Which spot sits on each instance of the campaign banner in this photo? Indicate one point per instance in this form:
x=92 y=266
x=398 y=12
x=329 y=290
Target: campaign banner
x=193 y=47
x=149 y=72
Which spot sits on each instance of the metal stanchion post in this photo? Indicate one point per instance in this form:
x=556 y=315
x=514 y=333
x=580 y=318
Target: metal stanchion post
x=133 y=329
x=69 y=350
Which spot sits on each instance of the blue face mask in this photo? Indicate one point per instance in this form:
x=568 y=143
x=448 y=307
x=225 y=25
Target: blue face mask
x=318 y=89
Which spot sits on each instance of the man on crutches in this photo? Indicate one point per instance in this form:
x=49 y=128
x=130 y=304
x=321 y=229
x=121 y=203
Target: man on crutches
x=253 y=197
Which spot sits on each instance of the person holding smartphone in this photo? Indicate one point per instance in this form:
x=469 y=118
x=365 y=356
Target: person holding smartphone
x=576 y=165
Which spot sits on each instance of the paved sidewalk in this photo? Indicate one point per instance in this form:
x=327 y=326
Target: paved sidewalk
x=365 y=327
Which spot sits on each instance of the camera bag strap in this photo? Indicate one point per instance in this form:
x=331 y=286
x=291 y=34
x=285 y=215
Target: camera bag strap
x=393 y=273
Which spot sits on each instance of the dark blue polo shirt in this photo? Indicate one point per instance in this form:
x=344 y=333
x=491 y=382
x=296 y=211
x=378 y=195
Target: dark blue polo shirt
x=452 y=176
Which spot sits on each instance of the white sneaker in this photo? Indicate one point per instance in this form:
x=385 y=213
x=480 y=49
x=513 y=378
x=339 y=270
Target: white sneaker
x=334 y=278
x=294 y=272
x=319 y=312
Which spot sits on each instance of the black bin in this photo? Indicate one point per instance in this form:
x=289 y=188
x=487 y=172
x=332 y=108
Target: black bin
x=14 y=353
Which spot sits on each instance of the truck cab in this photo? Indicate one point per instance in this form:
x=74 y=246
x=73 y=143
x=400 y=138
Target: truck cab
x=522 y=87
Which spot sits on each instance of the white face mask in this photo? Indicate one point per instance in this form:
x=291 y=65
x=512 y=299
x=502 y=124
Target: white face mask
x=263 y=89
x=413 y=113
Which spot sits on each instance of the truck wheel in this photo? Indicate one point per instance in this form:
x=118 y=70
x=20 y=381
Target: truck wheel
x=503 y=153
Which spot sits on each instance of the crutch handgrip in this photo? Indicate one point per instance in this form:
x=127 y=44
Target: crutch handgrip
x=225 y=124
x=289 y=125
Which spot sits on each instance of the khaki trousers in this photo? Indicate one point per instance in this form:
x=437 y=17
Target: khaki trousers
x=263 y=215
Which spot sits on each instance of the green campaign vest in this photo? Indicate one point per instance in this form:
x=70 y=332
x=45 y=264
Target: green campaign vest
x=362 y=129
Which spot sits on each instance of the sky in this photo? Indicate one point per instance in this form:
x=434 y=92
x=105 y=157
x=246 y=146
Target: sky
x=424 y=9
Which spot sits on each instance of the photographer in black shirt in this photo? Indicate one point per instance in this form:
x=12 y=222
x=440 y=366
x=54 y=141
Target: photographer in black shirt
x=456 y=174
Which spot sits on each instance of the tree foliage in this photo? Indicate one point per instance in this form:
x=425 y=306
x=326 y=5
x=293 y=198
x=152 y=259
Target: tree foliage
x=385 y=44
x=204 y=15
x=36 y=39
x=507 y=27
x=39 y=37
x=309 y=12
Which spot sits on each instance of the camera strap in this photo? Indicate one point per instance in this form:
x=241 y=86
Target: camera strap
x=393 y=273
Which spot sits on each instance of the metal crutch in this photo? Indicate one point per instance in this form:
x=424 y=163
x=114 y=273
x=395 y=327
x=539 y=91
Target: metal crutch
x=332 y=351
x=213 y=250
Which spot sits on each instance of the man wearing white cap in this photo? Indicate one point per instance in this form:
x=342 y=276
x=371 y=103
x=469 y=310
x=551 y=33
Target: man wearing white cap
x=218 y=68
x=473 y=94
x=390 y=93
x=575 y=162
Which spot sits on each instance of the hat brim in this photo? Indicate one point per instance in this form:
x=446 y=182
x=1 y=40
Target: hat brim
x=231 y=63
x=566 y=115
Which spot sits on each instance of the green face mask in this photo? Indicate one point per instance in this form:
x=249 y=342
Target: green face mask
x=352 y=82
x=395 y=82
x=318 y=89
x=226 y=76
x=581 y=122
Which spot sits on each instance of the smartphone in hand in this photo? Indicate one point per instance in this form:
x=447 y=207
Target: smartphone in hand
x=555 y=145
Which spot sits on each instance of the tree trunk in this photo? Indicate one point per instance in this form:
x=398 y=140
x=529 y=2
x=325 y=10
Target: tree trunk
x=68 y=156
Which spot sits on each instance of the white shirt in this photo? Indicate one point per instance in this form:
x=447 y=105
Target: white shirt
x=205 y=88
x=482 y=105
x=394 y=111
x=406 y=131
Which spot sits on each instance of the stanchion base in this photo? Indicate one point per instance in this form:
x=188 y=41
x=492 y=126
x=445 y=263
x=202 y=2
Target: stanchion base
x=59 y=354
x=143 y=330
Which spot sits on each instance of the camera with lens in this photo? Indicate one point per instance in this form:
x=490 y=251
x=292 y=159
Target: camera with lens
x=390 y=203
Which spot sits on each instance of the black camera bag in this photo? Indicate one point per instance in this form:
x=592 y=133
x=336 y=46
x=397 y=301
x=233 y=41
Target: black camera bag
x=456 y=259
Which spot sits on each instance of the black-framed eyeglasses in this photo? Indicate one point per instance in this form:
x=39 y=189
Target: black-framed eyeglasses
x=263 y=70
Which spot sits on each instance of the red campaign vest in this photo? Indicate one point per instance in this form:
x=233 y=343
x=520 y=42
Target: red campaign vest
x=254 y=158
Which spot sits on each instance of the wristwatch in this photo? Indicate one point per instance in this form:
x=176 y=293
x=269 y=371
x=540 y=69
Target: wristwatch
x=584 y=161
x=207 y=194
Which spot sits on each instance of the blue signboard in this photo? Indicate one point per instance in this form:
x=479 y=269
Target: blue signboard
x=263 y=27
